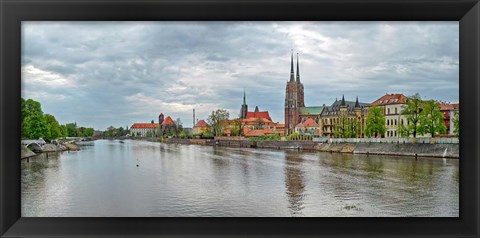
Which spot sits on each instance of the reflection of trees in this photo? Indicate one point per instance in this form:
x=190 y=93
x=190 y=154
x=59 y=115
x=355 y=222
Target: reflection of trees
x=374 y=166
x=416 y=170
x=294 y=182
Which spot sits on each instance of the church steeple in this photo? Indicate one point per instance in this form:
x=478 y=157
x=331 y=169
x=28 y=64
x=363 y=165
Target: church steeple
x=244 y=108
x=298 y=71
x=343 y=101
x=357 y=105
x=244 y=98
x=292 y=74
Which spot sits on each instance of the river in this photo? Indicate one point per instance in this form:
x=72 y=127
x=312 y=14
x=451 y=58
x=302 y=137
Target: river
x=112 y=178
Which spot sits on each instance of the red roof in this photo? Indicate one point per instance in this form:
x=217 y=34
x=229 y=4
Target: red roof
x=448 y=106
x=259 y=114
x=168 y=122
x=144 y=125
x=388 y=99
x=308 y=123
x=201 y=123
x=260 y=132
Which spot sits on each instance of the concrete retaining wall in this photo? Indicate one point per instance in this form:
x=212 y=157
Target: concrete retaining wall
x=423 y=150
x=425 y=140
x=304 y=145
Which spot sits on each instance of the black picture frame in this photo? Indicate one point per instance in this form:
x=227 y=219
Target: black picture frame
x=12 y=12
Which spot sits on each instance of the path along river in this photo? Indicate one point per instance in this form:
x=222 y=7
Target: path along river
x=103 y=179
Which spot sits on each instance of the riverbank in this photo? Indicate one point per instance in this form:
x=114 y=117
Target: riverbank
x=396 y=149
x=47 y=148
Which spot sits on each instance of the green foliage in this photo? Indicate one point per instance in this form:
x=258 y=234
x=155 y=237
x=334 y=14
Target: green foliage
x=216 y=121
x=237 y=128
x=111 y=132
x=36 y=127
x=33 y=124
x=431 y=119
x=53 y=126
x=207 y=135
x=412 y=112
x=456 y=123
x=346 y=127
x=375 y=122
x=149 y=134
x=71 y=129
x=293 y=135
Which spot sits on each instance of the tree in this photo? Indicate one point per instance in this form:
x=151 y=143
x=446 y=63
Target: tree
x=216 y=121
x=149 y=134
x=33 y=124
x=121 y=131
x=341 y=127
x=456 y=123
x=431 y=119
x=237 y=127
x=63 y=129
x=111 y=131
x=71 y=129
x=259 y=123
x=53 y=126
x=178 y=126
x=88 y=132
x=412 y=112
x=36 y=127
x=375 y=122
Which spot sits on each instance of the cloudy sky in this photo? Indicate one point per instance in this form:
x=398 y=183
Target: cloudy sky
x=116 y=73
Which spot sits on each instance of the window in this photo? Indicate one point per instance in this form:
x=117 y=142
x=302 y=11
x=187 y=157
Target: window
x=388 y=122
x=388 y=111
x=395 y=110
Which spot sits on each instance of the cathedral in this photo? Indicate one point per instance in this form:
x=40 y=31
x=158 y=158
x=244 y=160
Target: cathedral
x=294 y=99
x=317 y=120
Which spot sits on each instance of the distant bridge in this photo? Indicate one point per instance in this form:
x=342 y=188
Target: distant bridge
x=34 y=144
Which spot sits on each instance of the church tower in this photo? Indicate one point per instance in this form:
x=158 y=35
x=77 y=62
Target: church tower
x=294 y=98
x=244 y=109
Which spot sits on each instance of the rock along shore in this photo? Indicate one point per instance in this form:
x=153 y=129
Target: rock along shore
x=47 y=148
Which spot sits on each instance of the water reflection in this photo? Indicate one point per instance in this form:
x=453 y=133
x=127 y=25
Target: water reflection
x=102 y=179
x=294 y=182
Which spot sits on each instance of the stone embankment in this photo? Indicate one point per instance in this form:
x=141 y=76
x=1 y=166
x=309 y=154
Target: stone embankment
x=47 y=148
x=397 y=149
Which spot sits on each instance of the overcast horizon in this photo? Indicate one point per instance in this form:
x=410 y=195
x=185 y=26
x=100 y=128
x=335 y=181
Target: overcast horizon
x=99 y=74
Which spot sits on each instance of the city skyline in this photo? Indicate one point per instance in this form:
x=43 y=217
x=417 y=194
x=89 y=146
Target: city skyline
x=117 y=73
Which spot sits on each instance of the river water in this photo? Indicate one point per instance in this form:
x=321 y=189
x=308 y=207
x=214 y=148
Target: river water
x=103 y=179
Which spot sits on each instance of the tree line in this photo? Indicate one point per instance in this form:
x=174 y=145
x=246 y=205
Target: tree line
x=35 y=124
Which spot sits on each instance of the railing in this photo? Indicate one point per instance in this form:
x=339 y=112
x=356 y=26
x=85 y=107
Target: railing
x=423 y=140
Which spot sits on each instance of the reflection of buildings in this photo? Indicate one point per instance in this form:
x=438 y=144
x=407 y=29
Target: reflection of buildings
x=294 y=183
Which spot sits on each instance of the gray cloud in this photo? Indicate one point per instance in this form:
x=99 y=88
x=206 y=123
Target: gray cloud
x=117 y=73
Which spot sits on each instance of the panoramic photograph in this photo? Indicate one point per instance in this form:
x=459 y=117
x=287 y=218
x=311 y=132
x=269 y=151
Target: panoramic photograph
x=240 y=119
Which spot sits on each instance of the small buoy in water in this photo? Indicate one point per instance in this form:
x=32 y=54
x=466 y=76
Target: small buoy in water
x=137 y=165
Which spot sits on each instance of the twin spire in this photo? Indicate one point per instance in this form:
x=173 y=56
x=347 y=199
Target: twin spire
x=292 y=73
